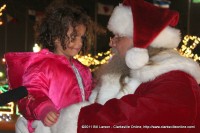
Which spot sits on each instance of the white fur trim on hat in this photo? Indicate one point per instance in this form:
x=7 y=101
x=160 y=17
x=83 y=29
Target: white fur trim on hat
x=167 y=38
x=136 y=58
x=121 y=21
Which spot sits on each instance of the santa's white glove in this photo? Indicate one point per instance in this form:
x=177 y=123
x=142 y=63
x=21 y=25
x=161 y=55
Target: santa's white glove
x=131 y=85
x=68 y=119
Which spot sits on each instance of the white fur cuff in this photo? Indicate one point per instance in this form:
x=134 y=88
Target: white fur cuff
x=68 y=119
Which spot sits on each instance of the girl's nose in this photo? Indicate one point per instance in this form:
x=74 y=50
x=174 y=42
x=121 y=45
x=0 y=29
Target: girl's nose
x=78 y=41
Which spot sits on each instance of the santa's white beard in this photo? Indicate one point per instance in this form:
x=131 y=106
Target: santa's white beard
x=116 y=65
x=109 y=79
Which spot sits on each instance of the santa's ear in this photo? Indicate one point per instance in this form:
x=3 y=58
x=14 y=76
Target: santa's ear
x=68 y=119
x=57 y=41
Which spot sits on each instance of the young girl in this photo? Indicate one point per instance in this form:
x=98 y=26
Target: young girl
x=53 y=78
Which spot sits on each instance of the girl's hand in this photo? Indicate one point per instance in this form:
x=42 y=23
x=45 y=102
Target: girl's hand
x=51 y=118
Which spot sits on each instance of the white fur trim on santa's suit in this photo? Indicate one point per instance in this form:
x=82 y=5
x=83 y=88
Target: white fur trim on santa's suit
x=138 y=57
x=164 y=62
x=121 y=21
x=68 y=119
x=21 y=125
x=111 y=86
x=40 y=127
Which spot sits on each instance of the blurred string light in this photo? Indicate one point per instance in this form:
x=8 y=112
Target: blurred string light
x=94 y=61
x=1 y=74
x=91 y=61
x=2 y=8
x=3 y=60
x=1 y=13
x=36 y=48
x=7 y=110
x=189 y=45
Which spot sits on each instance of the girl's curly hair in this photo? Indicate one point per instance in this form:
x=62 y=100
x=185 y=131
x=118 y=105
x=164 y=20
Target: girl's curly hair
x=56 y=23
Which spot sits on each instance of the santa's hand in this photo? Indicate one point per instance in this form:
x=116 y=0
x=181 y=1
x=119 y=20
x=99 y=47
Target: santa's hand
x=130 y=87
x=68 y=119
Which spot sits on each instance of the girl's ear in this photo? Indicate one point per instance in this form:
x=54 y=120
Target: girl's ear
x=57 y=42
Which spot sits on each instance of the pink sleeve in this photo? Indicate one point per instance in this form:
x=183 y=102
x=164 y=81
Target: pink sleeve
x=37 y=104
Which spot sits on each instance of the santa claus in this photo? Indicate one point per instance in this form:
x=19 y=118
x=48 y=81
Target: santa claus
x=147 y=86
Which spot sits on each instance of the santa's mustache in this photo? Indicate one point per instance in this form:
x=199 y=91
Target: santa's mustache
x=115 y=65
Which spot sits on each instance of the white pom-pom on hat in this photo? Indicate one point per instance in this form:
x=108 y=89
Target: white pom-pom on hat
x=136 y=57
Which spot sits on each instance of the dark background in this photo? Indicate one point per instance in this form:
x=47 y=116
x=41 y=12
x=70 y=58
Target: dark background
x=19 y=35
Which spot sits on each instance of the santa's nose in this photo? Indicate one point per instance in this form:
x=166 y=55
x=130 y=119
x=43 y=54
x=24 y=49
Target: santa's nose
x=112 y=42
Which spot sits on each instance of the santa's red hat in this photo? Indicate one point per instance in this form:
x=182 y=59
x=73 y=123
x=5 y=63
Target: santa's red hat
x=148 y=25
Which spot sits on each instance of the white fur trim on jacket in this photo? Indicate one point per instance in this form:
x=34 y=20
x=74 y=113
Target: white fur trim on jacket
x=164 y=62
x=121 y=21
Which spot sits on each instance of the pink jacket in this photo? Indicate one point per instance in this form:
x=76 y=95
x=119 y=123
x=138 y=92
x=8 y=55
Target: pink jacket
x=50 y=80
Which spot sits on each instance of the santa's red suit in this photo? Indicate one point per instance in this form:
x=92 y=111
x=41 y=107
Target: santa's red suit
x=167 y=101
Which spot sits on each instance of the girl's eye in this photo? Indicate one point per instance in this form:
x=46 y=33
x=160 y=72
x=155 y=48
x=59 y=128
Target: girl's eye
x=73 y=37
